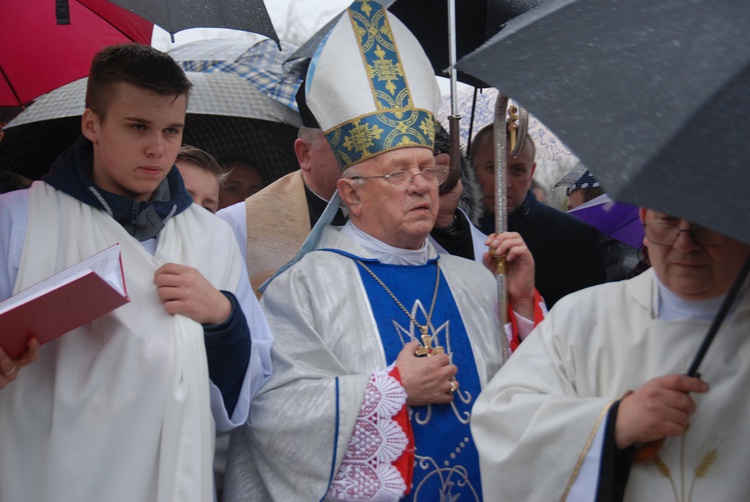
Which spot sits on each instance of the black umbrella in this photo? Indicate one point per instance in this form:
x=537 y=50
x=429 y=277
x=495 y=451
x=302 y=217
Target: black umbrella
x=177 y=15
x=476 y=22
x=227 y=117
x=652 y=95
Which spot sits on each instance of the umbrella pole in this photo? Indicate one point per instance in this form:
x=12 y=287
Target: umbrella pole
x=501 y=219
x=454 y=120
x=719 y=319
x=471 y=122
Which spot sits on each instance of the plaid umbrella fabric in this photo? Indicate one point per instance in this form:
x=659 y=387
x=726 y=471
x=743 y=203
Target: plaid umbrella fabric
x=262 y=63
x=227 y=117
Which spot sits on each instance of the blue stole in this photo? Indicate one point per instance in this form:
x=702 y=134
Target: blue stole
x=446 y=459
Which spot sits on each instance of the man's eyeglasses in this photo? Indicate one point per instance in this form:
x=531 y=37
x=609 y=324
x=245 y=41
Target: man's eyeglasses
x=402 y=178
x=666 y=234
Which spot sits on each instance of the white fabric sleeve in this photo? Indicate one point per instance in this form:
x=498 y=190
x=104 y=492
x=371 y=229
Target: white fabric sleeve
x=585 y=485
x=367 y=471
x=525 y=326
x=14 y=214
x=477 y=239
x=258 y=368
x=236 y=216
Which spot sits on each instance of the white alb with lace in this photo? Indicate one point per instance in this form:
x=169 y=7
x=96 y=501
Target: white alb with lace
x=367 y=471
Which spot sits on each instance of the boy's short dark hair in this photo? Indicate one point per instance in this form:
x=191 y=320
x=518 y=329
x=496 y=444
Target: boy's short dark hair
x=137 y=64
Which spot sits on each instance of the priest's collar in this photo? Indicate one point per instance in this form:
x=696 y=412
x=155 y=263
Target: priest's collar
x=317 y=204
x=674 y=308
x=383 y=252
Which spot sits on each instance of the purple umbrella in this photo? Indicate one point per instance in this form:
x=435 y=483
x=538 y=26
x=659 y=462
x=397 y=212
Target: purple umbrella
x=613 y=219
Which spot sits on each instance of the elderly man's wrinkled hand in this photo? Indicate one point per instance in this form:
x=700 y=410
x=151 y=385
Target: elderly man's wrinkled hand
x=659 y=408
x=426 y=380
x=9 y=368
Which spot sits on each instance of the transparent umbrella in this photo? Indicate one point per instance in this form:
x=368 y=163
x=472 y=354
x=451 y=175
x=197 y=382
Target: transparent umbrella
x=227 y=116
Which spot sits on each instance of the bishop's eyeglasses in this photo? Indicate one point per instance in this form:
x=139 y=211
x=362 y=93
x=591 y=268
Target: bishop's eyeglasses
x=666 y=233
x=402 y=178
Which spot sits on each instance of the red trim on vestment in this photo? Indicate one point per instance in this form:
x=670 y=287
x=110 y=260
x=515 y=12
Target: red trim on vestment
x=404 y=463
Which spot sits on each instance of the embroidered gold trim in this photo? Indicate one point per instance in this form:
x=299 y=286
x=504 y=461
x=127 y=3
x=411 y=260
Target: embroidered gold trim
x=585 y=450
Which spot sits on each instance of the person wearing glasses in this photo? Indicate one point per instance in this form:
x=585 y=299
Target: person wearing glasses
x=271 y=225
x=598 y=386
x=381 y=344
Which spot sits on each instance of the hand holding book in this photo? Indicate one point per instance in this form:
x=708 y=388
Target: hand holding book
x=67 y=300
x=9 y=368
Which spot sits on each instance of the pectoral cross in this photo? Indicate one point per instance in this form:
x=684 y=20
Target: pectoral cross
x=427 y=349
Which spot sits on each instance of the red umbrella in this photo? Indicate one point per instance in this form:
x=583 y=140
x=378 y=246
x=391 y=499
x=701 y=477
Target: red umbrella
x=46 y=46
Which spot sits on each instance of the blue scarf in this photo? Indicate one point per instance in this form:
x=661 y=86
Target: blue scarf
x=71 y=173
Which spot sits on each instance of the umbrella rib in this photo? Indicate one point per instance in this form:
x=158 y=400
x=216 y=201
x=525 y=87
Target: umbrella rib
x=10 y=86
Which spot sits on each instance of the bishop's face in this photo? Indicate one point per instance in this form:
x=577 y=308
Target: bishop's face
x=401 y=217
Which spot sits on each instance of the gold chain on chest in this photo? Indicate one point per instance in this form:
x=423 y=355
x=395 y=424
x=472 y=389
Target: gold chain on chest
x=427 y=349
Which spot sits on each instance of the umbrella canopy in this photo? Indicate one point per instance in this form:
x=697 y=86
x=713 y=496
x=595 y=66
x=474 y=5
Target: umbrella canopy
x=262 y=63
x=227 y=117
x=45 y=47
x=177 y=15
x=613 y=219
x=653 y=96
x=476 y=21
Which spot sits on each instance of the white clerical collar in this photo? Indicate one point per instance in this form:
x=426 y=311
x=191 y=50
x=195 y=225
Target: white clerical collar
x=673 y=308
x=383 y=252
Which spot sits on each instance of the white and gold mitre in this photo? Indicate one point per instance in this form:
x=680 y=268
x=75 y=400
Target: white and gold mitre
x=371 y=87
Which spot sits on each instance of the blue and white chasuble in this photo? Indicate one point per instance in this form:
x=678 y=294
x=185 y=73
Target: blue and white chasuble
x=446 y=459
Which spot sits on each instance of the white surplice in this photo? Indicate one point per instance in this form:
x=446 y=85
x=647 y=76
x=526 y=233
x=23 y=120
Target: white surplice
x=535 y=422
x=121 y=408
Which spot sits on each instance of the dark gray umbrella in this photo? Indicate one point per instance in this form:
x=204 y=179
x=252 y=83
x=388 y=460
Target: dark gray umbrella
x=476 y=21
x=177 y=15
x=652 y=95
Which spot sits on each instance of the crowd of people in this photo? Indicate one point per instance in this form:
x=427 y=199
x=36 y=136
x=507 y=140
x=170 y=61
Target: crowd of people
x=337 y=334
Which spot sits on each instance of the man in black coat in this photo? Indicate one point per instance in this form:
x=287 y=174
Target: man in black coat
x=566 y=250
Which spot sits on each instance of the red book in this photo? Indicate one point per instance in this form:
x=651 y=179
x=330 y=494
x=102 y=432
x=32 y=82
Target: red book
x=65 y=301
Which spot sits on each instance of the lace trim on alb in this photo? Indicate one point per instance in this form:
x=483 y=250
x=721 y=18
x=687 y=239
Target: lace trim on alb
x=367 y=471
